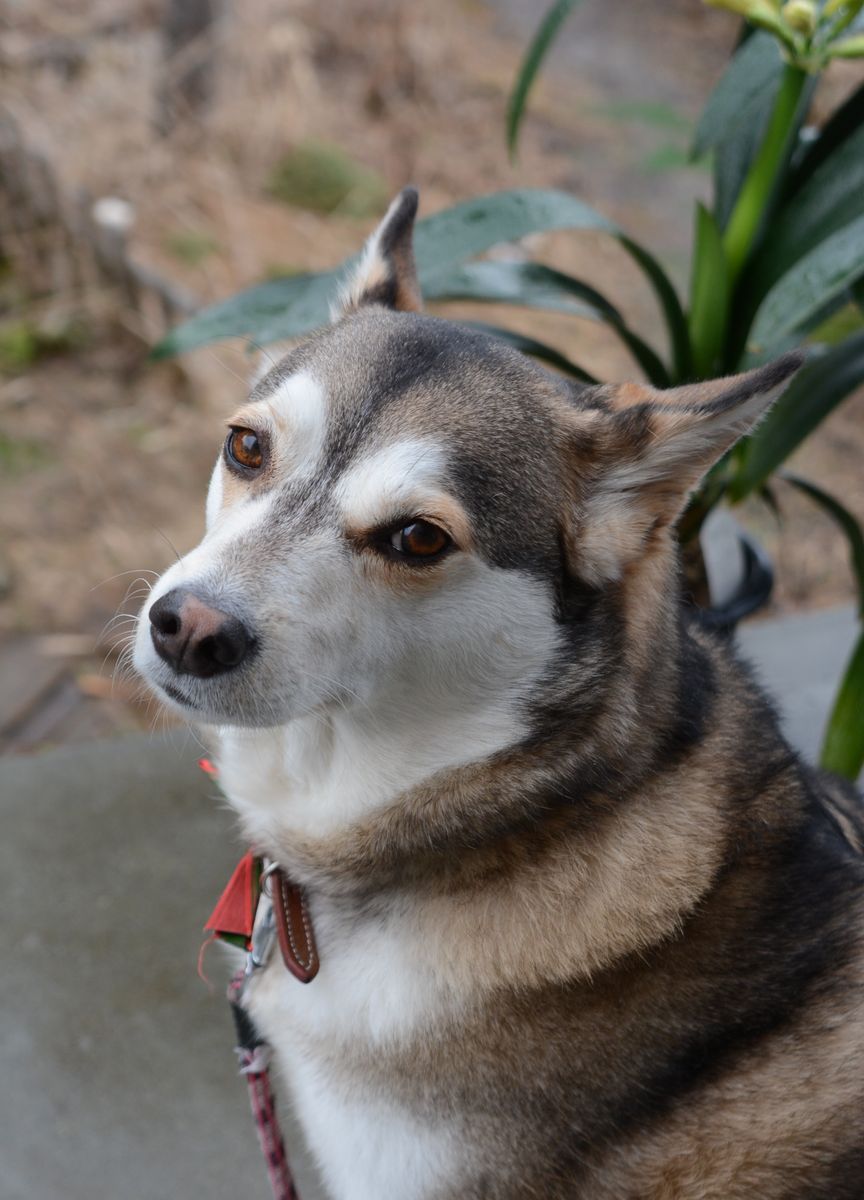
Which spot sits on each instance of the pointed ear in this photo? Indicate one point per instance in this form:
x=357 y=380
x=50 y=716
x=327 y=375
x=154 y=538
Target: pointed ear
x=386 y=273
x=635 y=455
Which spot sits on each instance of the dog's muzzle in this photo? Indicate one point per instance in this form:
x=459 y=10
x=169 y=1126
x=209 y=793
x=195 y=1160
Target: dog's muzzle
x=196 y=639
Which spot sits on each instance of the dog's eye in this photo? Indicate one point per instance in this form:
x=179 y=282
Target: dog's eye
x=243 y=448
x=420 y=539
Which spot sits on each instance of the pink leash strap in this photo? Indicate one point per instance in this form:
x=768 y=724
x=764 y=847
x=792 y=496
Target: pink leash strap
x=253 y=1054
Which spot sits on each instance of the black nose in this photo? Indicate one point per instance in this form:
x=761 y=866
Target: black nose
x=196 y=639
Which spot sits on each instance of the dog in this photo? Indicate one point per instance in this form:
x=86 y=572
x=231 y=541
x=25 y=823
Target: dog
x=587 y=926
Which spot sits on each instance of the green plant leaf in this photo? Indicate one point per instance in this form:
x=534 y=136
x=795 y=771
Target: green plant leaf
x=538 y=286
x=841 y=124
x=835 y=327
x=534 y=55
x=676 y=322
x=830 y=198
x=733 y=156
x=472 y=227
x=709 y=294
x=748 y=84
x=827 y=379
x=295 y=304
x=843 y=748
x=536 y=349
x=829 y=269
x=852 y=47
x=285 y=308
x=527 y=283
x=841 y=515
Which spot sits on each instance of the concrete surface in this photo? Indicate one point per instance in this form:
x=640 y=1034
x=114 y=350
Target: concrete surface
x=118 y=1081
x=118 y=1077
x=800 y=660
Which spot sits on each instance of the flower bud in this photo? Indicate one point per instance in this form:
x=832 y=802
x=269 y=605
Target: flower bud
x=800 y=15
x=744 y=8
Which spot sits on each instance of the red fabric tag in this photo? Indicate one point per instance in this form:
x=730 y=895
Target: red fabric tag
x=235 y=908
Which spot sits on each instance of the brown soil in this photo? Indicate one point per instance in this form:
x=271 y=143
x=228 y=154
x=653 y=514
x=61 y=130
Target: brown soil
x=104 y=456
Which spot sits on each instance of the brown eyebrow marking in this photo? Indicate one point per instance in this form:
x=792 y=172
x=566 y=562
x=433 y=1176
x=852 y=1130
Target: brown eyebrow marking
x=251 y=415
x=439 y=510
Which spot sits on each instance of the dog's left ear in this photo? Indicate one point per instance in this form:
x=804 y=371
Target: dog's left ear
x=635 y=454
x=386 y=273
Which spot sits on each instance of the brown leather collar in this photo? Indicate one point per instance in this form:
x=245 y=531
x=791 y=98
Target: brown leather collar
x=294 y=928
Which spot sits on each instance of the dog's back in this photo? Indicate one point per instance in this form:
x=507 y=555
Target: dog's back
x=587 y=926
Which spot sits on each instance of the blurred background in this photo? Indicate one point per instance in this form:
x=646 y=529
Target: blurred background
x=157 y=155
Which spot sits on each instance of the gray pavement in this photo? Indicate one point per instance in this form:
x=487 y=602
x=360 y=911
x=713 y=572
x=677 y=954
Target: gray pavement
x=118 y=1081
x=800 y=660
x=118 y=1078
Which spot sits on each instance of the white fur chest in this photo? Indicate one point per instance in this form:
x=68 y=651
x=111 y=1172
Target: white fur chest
x=373 y=992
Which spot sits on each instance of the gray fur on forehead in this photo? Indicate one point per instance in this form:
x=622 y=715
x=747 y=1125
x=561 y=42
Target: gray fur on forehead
x=390 y=376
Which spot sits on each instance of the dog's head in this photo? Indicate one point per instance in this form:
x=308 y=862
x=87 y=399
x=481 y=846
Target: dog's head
x=405 y=507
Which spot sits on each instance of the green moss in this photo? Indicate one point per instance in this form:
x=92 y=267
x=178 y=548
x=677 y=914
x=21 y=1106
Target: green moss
x=323 y=178
x=20 y=455
x=19 y=345
x=24 y=341
x=191 y=246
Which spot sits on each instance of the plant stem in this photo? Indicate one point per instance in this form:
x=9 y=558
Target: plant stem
x=752 y=202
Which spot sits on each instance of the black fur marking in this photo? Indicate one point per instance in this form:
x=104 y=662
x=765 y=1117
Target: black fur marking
x=385 y=293
x=398 y=228
x=753 y=968
x=765 y=379
x=842 y=1179
x=696 y=696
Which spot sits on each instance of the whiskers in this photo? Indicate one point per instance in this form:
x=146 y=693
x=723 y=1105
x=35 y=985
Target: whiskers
x=118 y=635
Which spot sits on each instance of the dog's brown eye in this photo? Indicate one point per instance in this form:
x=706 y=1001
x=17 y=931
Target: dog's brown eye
x=243 y=448
x=420 y=539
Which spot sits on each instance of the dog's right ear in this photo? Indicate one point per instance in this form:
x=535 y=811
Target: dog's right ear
x=386 y=273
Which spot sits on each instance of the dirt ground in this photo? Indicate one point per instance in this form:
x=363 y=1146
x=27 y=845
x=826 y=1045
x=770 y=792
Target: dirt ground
x=104 y=455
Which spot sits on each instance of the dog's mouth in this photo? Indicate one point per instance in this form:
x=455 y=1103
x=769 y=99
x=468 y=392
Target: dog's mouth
x=175 y=694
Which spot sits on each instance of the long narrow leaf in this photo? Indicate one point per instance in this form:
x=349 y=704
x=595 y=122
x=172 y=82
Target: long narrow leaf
x=736 y=117
x=528 y=283
x=829 y=269
x=841 y=125
x=296 y=304
x=472 y=227
x=752 y=75
x=827 y=379
x=676 y=322
x=536 y=349
x=534 y=55
x=538 y=286
x=842 y=517
x=288 y=307
x=832 y=197
x=733 y=156
x=843 y=749
x=709 y=294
